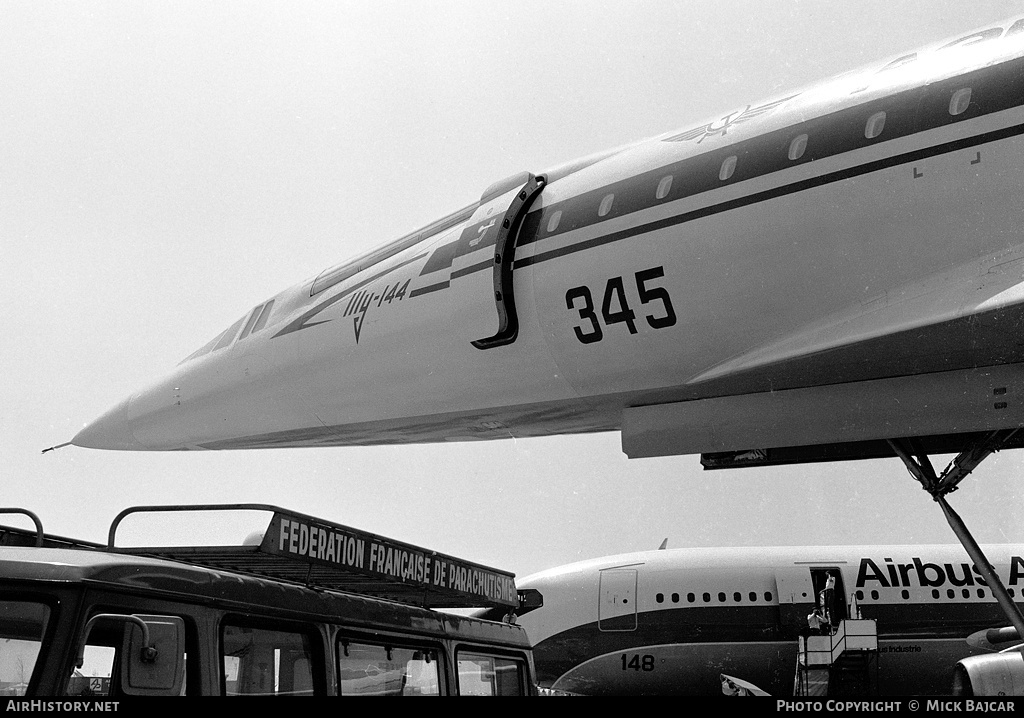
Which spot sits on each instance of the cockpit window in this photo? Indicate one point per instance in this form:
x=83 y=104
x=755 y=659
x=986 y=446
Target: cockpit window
x=253 y=316
x=205 y=349
x=264 y=315
x=227 y=337
x=218 y=342
x=254 y=321
x=257 y=320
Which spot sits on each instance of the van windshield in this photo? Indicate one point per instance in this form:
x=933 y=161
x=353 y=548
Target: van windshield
x=22 y=626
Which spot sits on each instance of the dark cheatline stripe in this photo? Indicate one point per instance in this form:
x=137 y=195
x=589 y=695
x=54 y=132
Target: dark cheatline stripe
x=907 y=113
x=429 y=288
x=774 y=193
x=561 y=652
x=910 y=112
x=478 y=267
x=300 y=323
x=335 y=275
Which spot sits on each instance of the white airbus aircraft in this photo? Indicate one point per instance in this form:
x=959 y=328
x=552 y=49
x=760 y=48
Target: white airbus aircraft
x=674 y=621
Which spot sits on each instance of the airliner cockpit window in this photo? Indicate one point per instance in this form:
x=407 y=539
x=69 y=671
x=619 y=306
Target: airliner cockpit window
x=218 y=342
x=227 y=337
x=261 y=321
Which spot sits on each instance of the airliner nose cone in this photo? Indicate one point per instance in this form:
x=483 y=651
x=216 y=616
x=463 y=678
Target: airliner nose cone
x=110 y=431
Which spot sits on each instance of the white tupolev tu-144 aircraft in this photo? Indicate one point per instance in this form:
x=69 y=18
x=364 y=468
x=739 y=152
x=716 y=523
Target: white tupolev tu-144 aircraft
x=833 y=273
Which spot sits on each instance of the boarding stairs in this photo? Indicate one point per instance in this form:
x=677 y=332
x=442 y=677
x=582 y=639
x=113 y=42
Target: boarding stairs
x=844 y=662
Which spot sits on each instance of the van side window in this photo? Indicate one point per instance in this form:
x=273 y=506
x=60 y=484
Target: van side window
x=481 y=675
x=96 y=674
x=377 y=670
x=260 y=661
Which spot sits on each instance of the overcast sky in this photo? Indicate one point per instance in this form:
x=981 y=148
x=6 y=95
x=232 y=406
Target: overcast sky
x=166 y=166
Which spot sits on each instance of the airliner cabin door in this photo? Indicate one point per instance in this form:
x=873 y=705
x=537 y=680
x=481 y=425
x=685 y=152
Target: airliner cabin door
x=796 y=594
x=802 y=589
x=616 y=605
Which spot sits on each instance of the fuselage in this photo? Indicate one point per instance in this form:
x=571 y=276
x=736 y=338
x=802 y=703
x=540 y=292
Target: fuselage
x=865 y=233
x=672 y=621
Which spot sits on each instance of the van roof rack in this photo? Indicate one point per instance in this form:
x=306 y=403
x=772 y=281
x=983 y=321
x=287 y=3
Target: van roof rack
x=319 y=554
x=13 y=536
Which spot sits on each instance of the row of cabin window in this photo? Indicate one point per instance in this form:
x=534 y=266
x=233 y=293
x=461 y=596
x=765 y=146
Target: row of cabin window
x=958 y=104
x=692 y=598
x=738 y=597
x=936 y=594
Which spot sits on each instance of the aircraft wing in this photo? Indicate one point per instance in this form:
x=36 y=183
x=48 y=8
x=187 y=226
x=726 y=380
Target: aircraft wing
x=989 y=290
x=947 y=345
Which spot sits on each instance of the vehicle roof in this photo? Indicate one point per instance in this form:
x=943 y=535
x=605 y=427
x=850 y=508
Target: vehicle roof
x=124 y=572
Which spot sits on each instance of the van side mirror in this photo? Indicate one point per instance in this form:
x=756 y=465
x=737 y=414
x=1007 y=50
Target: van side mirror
x=156 y=668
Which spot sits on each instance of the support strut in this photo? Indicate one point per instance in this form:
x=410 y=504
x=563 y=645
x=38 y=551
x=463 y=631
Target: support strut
x=984 y=567
x=920 y=467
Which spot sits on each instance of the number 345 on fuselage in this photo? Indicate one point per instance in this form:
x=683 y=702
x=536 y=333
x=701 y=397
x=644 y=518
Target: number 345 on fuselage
x=828 y=268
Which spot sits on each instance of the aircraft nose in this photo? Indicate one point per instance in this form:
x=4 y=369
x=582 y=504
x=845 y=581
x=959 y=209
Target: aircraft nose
x=110 y=431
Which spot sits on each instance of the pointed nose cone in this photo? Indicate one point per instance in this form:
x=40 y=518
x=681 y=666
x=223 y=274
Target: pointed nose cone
x=110 y=431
